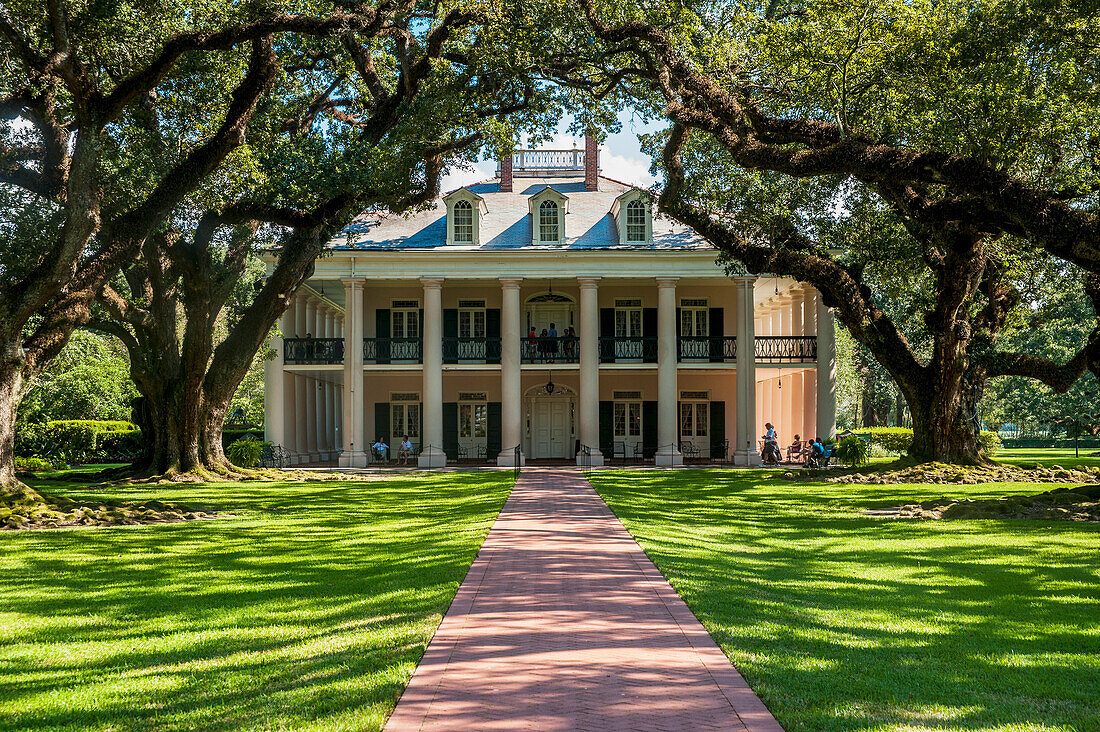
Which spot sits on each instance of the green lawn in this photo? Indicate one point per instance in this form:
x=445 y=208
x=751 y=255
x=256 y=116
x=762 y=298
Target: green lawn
x=308 y=610
x=1049 y=456
x=840 y=621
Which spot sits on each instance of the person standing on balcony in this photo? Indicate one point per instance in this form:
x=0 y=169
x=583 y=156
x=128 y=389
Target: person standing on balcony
x=552 y=345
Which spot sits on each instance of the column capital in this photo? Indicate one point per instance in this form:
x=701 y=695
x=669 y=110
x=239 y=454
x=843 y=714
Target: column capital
x=355 y=282
x=667 y=281
x=588 y=282
x=431 y=282
x=511 y=282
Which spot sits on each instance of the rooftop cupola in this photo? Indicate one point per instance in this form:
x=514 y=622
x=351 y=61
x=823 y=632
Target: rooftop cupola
x=572 y=163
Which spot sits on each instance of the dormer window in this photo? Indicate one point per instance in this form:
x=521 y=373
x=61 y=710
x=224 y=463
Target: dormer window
x=633 y=214
x=464 y=211
x=549 y=225
x=549 y=209
x=635 y=221
x=463 y=214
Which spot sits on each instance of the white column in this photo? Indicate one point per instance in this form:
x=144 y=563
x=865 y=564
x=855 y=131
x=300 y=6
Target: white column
x=826 y=371
x=744 y=444
x=319 y=424
x=809 y=393
x=511 y=398
x=301 y=448
x=330 y=394
x=590 y=369
x=798 y=412
x=668 y=447
x=274 y=378
x=311 y=389
x=338 y=399
x=431 y=452
x=354 y=454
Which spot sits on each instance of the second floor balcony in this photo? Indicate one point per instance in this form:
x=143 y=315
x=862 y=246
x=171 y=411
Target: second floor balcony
x=545 y=350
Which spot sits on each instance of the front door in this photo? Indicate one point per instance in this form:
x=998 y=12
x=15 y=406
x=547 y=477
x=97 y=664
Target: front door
x=472 y=421
x=627 y=426
x=551 y=435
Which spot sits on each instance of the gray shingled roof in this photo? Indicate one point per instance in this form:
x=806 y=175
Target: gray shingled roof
x=507 y=224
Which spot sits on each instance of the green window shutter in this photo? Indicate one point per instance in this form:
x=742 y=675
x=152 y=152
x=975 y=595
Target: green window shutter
x=493 y=430
x=450 y=330
x=717 y=329
x=382 y=330
x=649 y=429
x=717 y=430
x=607 y=330
x=649 y=330
x=450 y=429
x=607 y=428
x=381 y=424
x=492 y=332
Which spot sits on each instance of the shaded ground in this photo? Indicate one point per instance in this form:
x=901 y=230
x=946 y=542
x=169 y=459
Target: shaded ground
x=306 y=610
x=843 y=621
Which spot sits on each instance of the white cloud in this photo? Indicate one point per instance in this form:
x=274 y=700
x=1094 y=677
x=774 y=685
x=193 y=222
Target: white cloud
x=634 y=171
x=468 y=175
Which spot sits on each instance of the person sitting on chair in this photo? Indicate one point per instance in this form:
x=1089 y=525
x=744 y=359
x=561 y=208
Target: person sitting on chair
x=795 y=452
x=819 y=458
x=379 y=448
x=405 y=450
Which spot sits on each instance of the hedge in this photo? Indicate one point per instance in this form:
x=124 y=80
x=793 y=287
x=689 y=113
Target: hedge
x=80 y=440
x=898 y=439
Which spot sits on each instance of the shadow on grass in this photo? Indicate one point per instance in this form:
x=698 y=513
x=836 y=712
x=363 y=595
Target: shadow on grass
x=841 y=621
x=310 y=607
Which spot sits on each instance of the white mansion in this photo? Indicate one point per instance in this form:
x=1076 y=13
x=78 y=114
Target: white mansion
x=544 y=314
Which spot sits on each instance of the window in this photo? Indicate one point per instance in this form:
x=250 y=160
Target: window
x=548 y=222
x=627 y=419
x=635 y=221
x=405 y=322
x=471 y=322
x=405 y=419
x=694 y=419
x=463 y=214
x=471 y=420
x=694 y=318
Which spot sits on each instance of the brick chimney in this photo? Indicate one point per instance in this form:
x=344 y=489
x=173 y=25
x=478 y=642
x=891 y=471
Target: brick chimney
x=591 y=161
x=506 y=173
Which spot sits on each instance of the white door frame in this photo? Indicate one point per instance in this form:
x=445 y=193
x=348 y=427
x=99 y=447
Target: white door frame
x=537 y=396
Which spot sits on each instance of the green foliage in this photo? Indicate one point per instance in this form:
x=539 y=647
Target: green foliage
x=230 y=436
x=991 y=442
x=897 y=440
x=90 y=379
x=246 y=453
x=33 y=464
x=851 y=451
x=87 y=441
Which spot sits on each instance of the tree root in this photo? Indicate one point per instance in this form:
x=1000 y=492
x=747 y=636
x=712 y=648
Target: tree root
x=943 y=473
x=22 y=508
x=1081 y=503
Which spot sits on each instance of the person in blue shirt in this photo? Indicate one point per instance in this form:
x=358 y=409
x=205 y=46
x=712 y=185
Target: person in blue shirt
x=379 y=447
x=771 y=454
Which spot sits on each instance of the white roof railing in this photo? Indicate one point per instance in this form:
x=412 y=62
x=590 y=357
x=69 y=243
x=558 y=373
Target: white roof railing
x=547 y=161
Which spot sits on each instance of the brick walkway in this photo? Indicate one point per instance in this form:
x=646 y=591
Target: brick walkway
x=563 y=623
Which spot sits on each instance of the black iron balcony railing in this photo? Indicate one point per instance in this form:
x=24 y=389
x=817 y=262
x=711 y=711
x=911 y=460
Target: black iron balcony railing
x=716 y=349
x=471 y=350
x=628 y=349
x=313 y=350
x=613 y=349
x=543 y=349
x=389 y=350
x=786 y=349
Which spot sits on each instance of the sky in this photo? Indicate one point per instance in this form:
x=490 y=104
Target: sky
x=620 y=155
